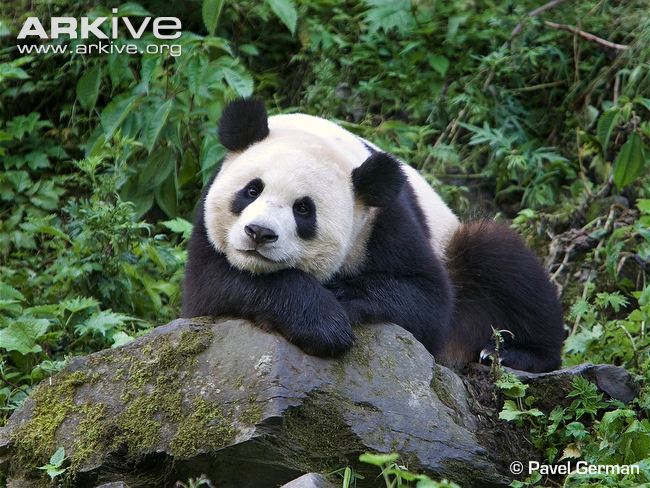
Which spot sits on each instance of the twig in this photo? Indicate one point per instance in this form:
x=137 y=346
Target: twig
x=592 y=197
x=564 y=263
x=585 y=290
x=535 y=13
x=541 y=86
x=586 y=35
x=9 y=383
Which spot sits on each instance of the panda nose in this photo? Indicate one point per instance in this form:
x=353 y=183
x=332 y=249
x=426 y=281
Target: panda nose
x=259 y=234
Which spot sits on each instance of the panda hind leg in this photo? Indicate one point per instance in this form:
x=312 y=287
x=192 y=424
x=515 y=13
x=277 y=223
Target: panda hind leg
x=516 y=356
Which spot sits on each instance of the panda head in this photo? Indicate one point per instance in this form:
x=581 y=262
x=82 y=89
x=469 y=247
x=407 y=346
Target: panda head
x=288 y=197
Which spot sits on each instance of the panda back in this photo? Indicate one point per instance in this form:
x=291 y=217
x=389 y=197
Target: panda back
x=440 y=219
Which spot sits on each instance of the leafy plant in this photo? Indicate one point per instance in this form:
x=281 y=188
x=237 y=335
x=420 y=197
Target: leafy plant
x=54 y=467
x=102 y=158
x=396 y=475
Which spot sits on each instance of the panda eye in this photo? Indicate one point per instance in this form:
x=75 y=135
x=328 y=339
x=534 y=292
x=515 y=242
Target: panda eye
x=301 y=208
x=253 y=191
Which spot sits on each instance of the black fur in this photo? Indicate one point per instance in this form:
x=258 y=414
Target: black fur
x=243 y=122
x=305 y=223
x=379 y=180
x=402 y=280
x=501 y=284
x=290 y=301
x=243 y=198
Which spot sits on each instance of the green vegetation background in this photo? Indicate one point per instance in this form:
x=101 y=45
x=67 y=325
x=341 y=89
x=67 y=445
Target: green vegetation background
x=102 y=159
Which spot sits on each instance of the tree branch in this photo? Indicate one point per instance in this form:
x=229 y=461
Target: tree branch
x=535 y=13
x=586 y=35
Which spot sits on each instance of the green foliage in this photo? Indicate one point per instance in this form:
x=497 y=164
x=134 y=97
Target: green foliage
x=394 y=474
x=102 y=158
x=54 y=467
x=579 y=431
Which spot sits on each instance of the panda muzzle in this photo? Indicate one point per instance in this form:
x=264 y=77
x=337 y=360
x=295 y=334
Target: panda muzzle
x=260 y=235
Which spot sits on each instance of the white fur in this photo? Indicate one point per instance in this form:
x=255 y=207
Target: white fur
x=306 y=156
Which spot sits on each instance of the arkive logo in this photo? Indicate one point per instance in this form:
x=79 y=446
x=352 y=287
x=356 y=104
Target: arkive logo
x=162 y=27
x=119 y=27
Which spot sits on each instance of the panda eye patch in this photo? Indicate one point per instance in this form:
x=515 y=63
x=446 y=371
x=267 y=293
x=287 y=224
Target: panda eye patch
x=247 y=195
x=304 y=211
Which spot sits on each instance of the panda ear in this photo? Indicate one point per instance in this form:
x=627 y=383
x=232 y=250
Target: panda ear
x=379 y=180
x=243 y=122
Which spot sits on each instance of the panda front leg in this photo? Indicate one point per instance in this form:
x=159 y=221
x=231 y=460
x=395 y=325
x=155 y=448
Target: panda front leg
x=422 y=305
x=292 y=302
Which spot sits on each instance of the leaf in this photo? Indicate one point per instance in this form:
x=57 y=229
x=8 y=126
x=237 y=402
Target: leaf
x=643 y=204
x=78 y=304
x=211 y=11
x=606 y=124
x=167 y=196
x=8 y=71
x=212 y=153
x=511 y=411
x=241 y=83
x=156 y=169
x=439 y=63
x=120 y=338
x=88 y=87
x=511 y=386
x=132 y=9
x=571 y=451
x=378 y=459
x=629 y=162
x=155 y=124
x=58 y=457
x=37 y=160
x=21 y=335
x=389 y=14
x=114 y=114
x=101 y=323
x=286 y=12
x=10 y=293
x=645 y=102
x=180 y=226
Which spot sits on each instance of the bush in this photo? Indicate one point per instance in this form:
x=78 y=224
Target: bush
x=102 y=158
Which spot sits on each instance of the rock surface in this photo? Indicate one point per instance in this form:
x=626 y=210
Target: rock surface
x=248 y=409
x=612 y=380
x=310 y=480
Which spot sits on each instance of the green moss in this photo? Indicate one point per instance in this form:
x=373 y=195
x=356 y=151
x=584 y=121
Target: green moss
x=252 y=414
x=360 y=353
x=319 y=435
x=152 y=379
x=406 y=340
x=438 y=385
x=35 y=439
x=138 y=429
x=161 y=355
x=205 y=429
x=153 y=389
x=89 y=435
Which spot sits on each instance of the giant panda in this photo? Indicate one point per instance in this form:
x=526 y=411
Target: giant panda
x=308 y=230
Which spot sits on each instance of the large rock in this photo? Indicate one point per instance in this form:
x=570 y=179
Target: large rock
x=248 y=409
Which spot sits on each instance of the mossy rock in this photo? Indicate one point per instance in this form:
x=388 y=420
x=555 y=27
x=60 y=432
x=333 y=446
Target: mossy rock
x=246 y=408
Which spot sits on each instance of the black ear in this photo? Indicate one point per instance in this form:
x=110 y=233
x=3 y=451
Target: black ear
x=379 y=180
x=243 y=122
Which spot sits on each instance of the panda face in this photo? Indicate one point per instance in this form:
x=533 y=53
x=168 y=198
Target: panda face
x=279 y=204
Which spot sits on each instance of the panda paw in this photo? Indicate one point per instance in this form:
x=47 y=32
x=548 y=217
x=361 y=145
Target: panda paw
x=326 y=335
x=487 y=355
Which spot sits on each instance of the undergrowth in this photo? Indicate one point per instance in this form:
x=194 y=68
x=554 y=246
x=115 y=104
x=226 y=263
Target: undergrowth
x=102 y=158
